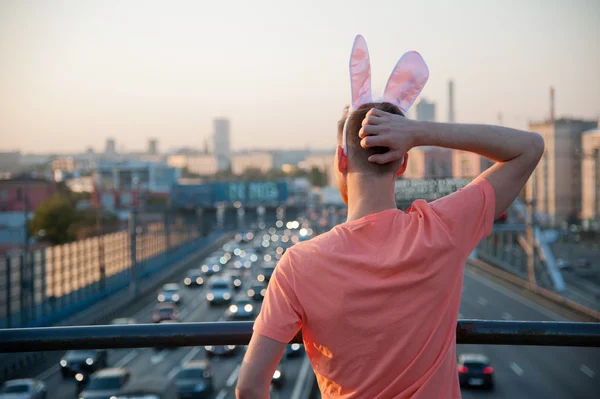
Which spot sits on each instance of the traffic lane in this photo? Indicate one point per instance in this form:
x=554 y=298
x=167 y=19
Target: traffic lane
x=496 y=302
x=137 y=360
x=556 y=372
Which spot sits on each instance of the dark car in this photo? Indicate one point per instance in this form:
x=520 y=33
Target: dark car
x=194 y=380
x=293 y=350
x=105 y=384
x=474 y=370
x=165 y=311
x=257 y=291
x=170 y=293
x=265 y=273
x=220 y=350
x=82 y=361
x=26 y=388
x=148 y=386
x=241 y=309
x=277 y=380
x=220 y=291
x=194 y=278
x=211 y=266
x=236 y=279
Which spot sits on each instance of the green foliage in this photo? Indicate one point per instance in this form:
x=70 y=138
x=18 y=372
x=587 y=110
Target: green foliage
x=317 y=178
x=53 y=220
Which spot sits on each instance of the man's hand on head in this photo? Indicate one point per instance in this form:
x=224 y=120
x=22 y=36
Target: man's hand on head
x=382 y=129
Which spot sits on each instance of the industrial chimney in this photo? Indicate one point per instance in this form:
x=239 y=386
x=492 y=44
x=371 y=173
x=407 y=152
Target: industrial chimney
x=551 y=104
x=450 y=101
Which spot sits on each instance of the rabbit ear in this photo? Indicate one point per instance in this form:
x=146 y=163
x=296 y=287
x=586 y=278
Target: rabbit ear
x=406 y=81
x=360 y=79
x=360 y=72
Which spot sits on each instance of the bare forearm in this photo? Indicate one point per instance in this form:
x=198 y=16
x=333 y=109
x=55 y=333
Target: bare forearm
x=497 y=143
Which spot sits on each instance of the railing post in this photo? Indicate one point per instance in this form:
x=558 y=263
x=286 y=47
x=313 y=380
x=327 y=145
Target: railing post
x=8 y=291
x=531 y=241
x=133 y=248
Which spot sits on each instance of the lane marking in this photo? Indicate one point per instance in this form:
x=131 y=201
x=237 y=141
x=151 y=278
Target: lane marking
x=129 y=357
x=158 y=357
x=222 y=394
x=48 y=373
x=301 y=381
x=515 y=367
x=587 y=371
x=507 y=316
x=522 y=300
x=190 y=355
x=172 y=373
x=482 y=301
x=233 y=377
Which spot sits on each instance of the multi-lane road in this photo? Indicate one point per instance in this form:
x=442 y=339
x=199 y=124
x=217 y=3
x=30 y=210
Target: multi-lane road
x=520 y=372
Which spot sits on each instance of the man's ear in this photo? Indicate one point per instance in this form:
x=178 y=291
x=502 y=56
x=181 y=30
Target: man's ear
x=403 y=165
x=342 y=161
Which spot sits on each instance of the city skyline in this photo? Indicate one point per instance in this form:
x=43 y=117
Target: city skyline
x=74 y=74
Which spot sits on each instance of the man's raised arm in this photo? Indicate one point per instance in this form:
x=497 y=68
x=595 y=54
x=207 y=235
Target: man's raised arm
x=516 y=152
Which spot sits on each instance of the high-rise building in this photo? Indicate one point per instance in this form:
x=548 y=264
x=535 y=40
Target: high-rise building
x=111 y=146
x=425 y=110
x=556 y=183
x=590 y=178
x=221 y=146
x=153 y=146
x=450 y=101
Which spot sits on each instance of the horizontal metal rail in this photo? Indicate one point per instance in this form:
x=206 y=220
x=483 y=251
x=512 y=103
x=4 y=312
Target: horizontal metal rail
x=491 y=332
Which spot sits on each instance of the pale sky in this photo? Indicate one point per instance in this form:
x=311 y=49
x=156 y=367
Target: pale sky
x=73 y=73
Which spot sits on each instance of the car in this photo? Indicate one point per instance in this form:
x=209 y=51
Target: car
x=219 y=350
x=220 y=291
x=266 y=272
x=194 y=278
x=257 y=291
x=105 y=383
x=165 y=311
x=194 y=380
x=277 y=380
x=123 y=321
x=241 y=309
x=148 y=387
x=170 y=293
x=82 y=361
x=236 y=279
x=474 y=370
x=211 y=266
x=293 y=350
x=26 y=388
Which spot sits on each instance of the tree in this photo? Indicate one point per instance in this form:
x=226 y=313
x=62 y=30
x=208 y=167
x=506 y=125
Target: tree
x=317 y=178
x=53 y=220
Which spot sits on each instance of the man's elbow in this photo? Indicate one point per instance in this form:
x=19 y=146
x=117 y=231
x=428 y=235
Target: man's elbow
x=537 y=146
x=243 y=391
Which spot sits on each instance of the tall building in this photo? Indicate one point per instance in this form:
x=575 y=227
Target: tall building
x=590 y=178
x=450 y=101
x=429 y=163
x=253 y=160
x=153 y=146
x=468 y=165
x=198 y=164
x=425 y=110
x=556 y=183
x=221 y=146
x=111 y=146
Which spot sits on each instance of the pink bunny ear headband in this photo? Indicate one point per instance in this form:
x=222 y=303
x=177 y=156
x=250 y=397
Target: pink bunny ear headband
x=402 y=89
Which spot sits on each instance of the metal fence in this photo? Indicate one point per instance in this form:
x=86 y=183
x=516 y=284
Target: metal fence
x=42 y=286
x=491 y=332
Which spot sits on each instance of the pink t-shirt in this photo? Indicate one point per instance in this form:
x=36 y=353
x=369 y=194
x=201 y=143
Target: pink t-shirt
x=377 y=298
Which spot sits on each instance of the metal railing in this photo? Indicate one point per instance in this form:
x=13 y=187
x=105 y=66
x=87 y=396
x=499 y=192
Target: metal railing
x=491 y=332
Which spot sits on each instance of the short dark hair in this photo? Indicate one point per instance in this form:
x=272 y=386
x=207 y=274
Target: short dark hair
x=358 y=155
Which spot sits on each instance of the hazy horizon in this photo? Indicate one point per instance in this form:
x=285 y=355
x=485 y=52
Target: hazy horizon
x=74 y=73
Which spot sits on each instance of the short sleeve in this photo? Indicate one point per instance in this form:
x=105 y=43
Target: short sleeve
x=280 y=317
x=468 y=213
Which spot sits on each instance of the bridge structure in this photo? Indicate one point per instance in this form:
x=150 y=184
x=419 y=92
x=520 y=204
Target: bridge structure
x=490 y=315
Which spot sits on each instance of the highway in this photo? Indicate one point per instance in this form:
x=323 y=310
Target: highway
x=520 y=372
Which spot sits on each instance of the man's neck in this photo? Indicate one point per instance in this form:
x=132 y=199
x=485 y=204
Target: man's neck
x=369 y=194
